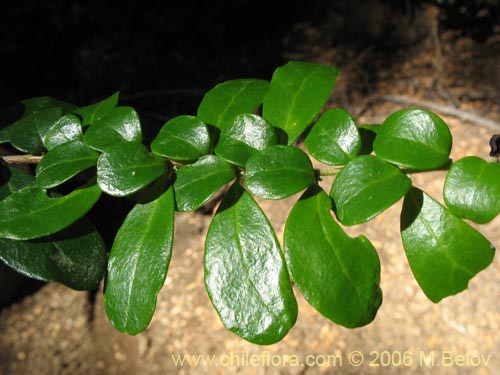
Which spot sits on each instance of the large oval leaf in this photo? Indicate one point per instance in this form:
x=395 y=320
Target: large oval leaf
x=127 y=167
x=138 y=263
x=414 y=139
x=182 y=138
x=472 y=189
x=334 y=138
x=94 y=112
x=75 y=257
x=63 y=162
x=365 y=187
x=443 y=251
x=228 y=99
x=29 y=213
x=243 y=137
x=297 y=93
x=278 y=172
x=245 y=274
x=119 y=124
x=197 y=183
x=337 y=274
x=66 y=129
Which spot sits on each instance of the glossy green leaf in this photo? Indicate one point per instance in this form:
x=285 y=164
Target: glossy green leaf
x=443 y=251
x=197 y=183
x=127 y=167
x=94 y=112
x=337 y=274
x=228 y=99
x=138 y=263
x=243 y=137
x=245 y=274
x=414 y=139
x=278 y=172
x=367 y=134
x=12 y=180
x=334 y=138
x=365 y=187
x=75 y=257
x=66 y=129
x=183 y=138
x=29 y=213
x=297 y=93
x=119 y=124
x=63 y=162
x=472 y=189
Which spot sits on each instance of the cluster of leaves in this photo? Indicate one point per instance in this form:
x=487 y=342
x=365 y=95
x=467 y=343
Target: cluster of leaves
x=247 y=275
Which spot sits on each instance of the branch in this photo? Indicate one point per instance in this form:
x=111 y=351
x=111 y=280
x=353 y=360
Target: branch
x=21 y=159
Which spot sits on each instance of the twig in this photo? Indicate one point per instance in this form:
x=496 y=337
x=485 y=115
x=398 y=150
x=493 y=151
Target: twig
x=21 y=159
x=445 y=110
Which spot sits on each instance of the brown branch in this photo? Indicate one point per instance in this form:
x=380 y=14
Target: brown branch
x=21 y=159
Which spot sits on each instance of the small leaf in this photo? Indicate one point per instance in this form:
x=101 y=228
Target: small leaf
x=197 y=183
x=278 y=172
x=245 y=274
x=226 y=100
x=63 y=162
x=96 y=111
x=75 y=257
x=415 y=139
x=12 y=180
x=29 y=213
x=367 y=134
x=183 y=138
x=334 y=138
x=243 y=137
x=138 y=263
x=337 y=274
x=443 y=251
x=119 y=124
x=127 y=167
x=365 y=187
x=472 y=189
x=297 y=93
x=66 y=129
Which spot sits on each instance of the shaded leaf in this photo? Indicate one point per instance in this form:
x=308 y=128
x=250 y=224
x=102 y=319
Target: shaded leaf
x=365 y=187
x=197 y=183
x=182 y=138
x=245 y=274
x=243 y=137
x=12 y=180
x=228 y=99
x=443 y=251
x=297 y=92
x=337 y=274
x=66 y=129
x=138 y=263
x=96 y=111
x=127 y=167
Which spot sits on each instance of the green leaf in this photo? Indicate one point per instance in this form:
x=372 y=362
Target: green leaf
x=414 y=139
x=127 y=167
x=12 y=180
x=243 y=137
x=183 y=138
x=96 y=111
x=120 y=124
x=245 y=274
x=443 y=251
x=365 y=187
x=138 y=263
x=334 y=138
x=66 y=129
x=75 y=257
x=197 y=183
x=226 y=100
x=278 y=172
x=367 y=134
x=337 y=274
x=472 y=189
x=63 y=162
x=297 y=93
x=29 y=213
